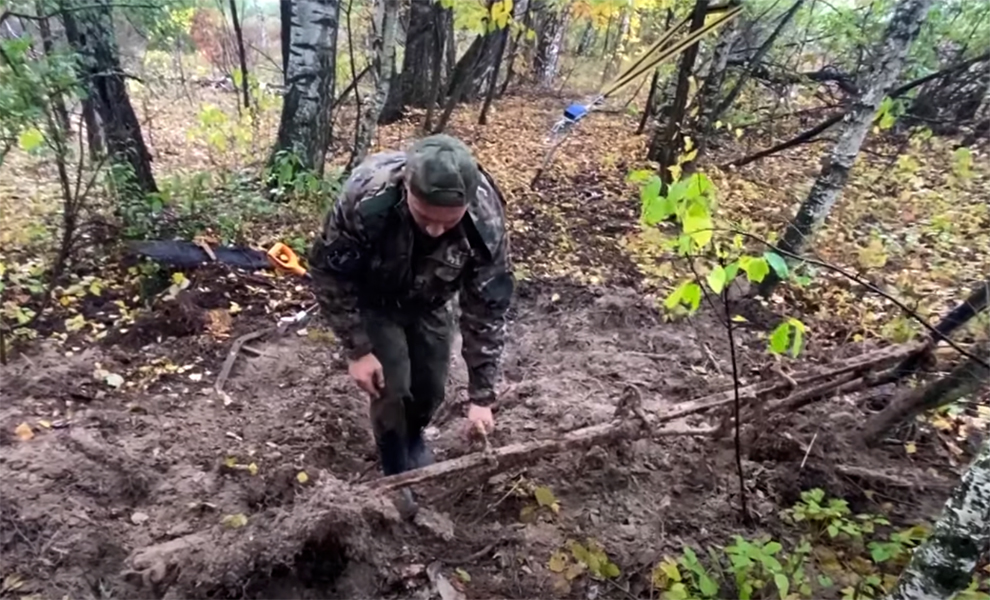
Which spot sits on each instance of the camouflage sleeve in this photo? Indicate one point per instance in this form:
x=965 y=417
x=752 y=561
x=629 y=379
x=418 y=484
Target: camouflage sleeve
x=484 y=302
x=336 y=260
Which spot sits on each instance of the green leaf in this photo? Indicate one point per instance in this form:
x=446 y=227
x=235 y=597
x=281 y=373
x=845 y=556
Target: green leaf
x=798 y=343
x=779 y=338
x=707 y=586
x=716 y=279
x=777 y=263
x=653 y=206
x=640 y=175
x=698 y=224
x=731 y=270
x=611 y=570
x=756 y=268
x=674 y=298
x=783 y=586
x=825 y=581
x=692 y=296
x=30 y=139
x=670 y=570
x=833 y=530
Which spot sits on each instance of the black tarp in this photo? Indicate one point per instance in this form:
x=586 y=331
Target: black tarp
x=187 y=255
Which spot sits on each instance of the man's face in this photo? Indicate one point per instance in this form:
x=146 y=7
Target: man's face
x=434 y=220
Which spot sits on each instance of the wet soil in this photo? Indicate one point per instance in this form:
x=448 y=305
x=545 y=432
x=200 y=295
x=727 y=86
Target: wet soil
x=162 y=488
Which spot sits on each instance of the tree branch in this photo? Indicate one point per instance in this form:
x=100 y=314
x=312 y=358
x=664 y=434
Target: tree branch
x=936 y=334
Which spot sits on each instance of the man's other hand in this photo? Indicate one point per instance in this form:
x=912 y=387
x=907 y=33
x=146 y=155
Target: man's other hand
x=367 y=373
x=480 y=418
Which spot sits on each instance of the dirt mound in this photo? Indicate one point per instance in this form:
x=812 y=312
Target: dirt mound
x=168 y=489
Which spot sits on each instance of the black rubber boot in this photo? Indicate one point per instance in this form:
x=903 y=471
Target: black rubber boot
x=420 y=454
x=394 y=456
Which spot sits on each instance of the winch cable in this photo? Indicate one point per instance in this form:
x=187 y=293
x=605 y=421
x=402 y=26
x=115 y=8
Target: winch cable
x=661 y=50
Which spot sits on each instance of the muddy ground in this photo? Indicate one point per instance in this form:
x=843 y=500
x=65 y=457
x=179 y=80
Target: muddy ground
x=128 y=492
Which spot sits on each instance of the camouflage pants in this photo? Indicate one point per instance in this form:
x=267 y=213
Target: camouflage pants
x=414 y=350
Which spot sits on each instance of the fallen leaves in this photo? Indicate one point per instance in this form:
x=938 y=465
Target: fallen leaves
x=24 y=432
x=235 y=521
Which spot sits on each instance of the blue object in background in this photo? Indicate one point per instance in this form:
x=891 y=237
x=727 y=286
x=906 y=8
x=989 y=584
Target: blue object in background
x=575 y=111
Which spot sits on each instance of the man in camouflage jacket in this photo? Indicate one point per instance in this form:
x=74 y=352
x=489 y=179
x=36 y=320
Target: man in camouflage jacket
x=409 y=231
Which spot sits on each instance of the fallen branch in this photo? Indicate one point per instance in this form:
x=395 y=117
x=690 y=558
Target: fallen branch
x=506 y=456
x=891 y=479
x=857 y=364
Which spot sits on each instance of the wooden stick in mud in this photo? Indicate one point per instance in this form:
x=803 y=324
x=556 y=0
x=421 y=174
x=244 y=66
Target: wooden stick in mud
x=499 y=458
x=502 y=457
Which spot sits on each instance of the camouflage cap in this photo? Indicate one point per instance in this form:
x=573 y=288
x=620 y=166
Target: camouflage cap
x=441 y=170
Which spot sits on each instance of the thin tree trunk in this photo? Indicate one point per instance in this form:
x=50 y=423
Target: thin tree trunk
x=902 y=30
x=493 y=82
x=969 y=377
x=944 y=563
x=285 y=23
x=442 y=17
x=730 y=98
x=666 y=143
x=975 y=303
x=241 y=54
x=304 y=128
x=708 y=94
x=648 y=109
x=48 y=45
x=383 y=43
x=89 y=29
x=413 y=84
x=461 y=85
x=514 y=50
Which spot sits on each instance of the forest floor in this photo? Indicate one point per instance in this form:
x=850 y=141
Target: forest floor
x=135 y=479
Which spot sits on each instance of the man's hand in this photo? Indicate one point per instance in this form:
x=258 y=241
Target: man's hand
x=367 y=373
x=480 y=418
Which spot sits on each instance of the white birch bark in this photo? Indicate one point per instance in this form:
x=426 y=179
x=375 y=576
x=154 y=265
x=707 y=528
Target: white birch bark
x=304 y=129
x=383 y=41
x=902 y=30
x=944 y=563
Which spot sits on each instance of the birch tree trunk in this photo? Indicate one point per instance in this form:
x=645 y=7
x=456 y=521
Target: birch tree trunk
x=89 y=29
x=549 y=41
x=901 y=31
x=944 y=563
x=304 y=128
x=383 y=45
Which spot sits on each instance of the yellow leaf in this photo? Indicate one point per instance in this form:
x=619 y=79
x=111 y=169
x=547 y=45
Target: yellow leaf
x=234 y=521
x=45 y=424
x=253 y=469
x=910 y=448
x=688 y=143
x=302 y=477
x=230 y=462
x=558 y=562
x=544 y=496
x=24 y=432
x=463 y=575
x=739 y=133
x=178 y=277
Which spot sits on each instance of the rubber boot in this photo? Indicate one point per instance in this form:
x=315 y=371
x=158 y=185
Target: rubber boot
x=394 y=456
x=420 y=454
